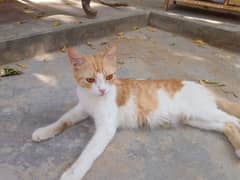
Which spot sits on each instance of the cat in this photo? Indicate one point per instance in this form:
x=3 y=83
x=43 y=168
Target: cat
x=114 y=103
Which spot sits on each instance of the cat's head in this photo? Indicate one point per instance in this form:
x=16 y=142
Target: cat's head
x=95 y=73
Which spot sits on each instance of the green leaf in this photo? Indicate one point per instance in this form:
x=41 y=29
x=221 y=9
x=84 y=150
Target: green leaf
x=9 y=72
x=215 y=83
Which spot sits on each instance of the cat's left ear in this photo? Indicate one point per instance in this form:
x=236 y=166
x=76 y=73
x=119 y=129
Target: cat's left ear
x=111 y=54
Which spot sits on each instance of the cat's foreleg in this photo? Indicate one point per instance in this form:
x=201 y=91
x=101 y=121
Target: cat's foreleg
x=70 y=118
x=95 y=148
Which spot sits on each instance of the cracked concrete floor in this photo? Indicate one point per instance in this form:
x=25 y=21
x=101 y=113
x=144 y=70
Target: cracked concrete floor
x=46 y=90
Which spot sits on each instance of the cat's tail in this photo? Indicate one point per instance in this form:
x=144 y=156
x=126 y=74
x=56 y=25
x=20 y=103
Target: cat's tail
x=229 y=107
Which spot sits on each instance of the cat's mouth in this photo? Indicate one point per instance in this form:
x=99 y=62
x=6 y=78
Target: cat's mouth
x=101 y=94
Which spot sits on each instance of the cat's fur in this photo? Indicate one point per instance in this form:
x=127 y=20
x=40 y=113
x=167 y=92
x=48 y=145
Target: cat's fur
x=114 y=102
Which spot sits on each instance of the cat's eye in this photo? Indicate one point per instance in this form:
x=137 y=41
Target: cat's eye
x=109 y=77
x=90 y=80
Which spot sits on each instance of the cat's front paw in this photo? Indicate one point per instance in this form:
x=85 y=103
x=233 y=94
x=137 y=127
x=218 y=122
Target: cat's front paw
x=41 y=134
x=70 y=175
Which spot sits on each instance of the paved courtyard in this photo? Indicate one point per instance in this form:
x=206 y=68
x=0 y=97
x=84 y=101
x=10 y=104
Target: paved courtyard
x=46 y=90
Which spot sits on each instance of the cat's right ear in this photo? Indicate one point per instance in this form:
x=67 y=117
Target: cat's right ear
x=74 y=57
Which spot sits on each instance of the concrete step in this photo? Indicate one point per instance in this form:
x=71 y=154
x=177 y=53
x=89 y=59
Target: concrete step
x=220 y=34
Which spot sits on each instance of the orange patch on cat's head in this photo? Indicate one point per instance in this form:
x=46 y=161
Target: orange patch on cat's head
x=87 y=67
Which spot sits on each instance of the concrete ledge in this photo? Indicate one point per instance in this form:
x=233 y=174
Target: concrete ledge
x=215 y=33
x=36 y=43
x=36 y=37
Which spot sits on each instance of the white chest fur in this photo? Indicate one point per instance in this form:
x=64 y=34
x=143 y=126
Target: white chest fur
x=101 y=108
x=127 y=114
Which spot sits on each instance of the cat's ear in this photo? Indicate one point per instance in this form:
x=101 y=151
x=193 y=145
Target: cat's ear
x=74 y=57
x=111 y=53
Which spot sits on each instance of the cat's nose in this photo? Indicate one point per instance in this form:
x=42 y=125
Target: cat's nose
x=102 y=91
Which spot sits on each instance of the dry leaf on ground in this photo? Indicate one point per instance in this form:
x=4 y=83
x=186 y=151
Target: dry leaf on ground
x=56 y=23
x=136 y=27
x=90 y=45
x=68 y=3
x=21 y=22
x=151 y=29
x=121 y=35
x=113 y=4
x=25 y=7
x=39 y=15
x=63 y=49
x=214 y=83
x=103 y=43
x=21 y=65
x=199 y=42
x=166 y=125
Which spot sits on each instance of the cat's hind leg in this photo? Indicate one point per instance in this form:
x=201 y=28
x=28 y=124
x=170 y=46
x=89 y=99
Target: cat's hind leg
x=211 y=126
x=219 y=121
x=228 y=129
x=214 y=119
x=70 y=118
x=233 y=135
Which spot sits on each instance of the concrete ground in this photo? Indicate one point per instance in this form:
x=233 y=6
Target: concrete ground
x=47 y=25
x=46 y=90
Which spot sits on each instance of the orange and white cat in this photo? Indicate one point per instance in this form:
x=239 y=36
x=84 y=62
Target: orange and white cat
x=114 y=103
